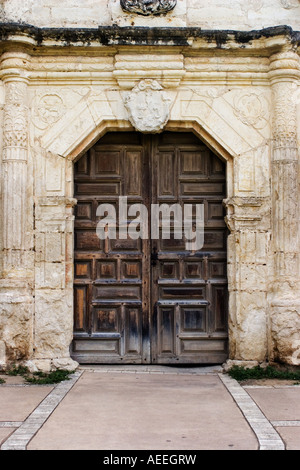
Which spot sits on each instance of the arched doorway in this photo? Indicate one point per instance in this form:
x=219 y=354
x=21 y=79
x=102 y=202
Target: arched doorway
x=150 y=300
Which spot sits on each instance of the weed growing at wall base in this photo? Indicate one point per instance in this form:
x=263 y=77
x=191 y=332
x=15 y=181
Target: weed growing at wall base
x=43 y=378
x=241 y=373
x=40 y=378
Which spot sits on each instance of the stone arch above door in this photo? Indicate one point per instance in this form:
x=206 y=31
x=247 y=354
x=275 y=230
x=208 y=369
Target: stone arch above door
x=247 y=207
x=94 y=114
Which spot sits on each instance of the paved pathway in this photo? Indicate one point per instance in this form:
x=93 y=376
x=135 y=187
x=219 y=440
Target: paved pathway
x=149 y=408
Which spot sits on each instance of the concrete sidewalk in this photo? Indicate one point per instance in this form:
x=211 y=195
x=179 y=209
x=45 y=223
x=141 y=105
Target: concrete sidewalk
x=149 y=408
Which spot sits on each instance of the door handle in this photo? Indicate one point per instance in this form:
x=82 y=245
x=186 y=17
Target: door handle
x=154 y=257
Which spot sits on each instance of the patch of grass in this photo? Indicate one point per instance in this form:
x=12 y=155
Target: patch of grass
x=241 y=373
x=43 y=378
x=20 y=370
x=40 y=378
x=2 y=381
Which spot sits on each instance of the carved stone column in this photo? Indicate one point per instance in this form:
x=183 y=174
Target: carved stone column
x=285 y=297
x=14 y=164
x=248 y=219
x=17 y=272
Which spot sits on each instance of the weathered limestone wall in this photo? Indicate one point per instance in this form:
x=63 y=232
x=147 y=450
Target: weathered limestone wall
x=16 y=282
x=216 y=14
x=58 y=96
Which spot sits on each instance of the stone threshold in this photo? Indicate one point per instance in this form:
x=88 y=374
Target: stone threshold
x=152 y=369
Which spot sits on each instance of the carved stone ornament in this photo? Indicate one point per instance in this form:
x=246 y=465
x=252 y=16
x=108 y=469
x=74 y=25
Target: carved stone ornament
x=289 y=4
x=251 y=109
x=148 y=7
x=148 y=106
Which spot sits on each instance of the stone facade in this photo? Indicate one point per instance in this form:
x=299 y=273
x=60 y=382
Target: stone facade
x=62 y=88
x=216 y=14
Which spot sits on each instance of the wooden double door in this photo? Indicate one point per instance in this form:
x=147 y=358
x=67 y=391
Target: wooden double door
x=149 y=300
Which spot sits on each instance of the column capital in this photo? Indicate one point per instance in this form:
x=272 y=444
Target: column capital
x=284 y=66
x=14 y=66
x=285 y=79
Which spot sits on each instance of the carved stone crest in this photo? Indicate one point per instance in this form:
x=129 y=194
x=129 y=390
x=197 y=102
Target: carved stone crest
x=148 y=106
x=148 y=7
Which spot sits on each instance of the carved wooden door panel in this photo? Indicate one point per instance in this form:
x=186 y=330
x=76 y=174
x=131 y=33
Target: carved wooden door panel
x=111 y=287
x=189 y=289
x=142 y=301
